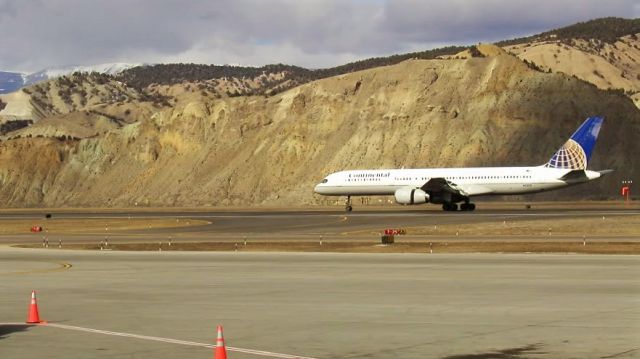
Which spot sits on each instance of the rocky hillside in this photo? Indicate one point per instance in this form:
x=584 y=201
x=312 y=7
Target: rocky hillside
x=79 y=106
x=614 y=66
x=216 y=80
x=604 y=52
x=492 y=109
x=231 y=81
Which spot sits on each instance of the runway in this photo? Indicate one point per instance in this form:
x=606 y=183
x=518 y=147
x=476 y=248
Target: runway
x=320 y=305
x=295 y=225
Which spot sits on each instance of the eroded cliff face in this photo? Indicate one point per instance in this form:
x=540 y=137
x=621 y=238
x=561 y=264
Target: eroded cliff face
x=248 y=151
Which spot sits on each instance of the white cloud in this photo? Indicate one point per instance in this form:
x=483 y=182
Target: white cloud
x=312 y=33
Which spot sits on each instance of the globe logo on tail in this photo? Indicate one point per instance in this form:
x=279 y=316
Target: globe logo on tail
x=570 y=156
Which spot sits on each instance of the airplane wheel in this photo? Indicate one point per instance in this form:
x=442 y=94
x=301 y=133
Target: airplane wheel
x=449 y=207
x=349 y=208
x=467 y=207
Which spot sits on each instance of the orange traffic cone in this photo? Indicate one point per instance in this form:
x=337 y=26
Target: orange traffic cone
x=221 y=350
x=33 y=310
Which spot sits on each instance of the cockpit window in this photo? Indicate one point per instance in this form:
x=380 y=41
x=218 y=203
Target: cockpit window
x=325 y=180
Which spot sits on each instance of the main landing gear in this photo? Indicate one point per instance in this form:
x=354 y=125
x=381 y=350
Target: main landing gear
x=347 y=206
x=454 y=207
x=467 y=207
x=449 y=207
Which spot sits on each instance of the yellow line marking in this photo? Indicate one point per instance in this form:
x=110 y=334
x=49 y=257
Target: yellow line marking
x=61 y=266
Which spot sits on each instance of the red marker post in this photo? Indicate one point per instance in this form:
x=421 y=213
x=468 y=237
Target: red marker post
x=625 y=191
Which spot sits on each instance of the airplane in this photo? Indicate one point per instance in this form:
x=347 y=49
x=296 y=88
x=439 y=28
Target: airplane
x=449 y=186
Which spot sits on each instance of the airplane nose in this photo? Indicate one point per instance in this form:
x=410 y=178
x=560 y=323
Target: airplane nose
x=320 y=189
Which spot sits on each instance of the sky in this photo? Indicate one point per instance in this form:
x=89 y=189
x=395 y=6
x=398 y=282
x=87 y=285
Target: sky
x=38 y=34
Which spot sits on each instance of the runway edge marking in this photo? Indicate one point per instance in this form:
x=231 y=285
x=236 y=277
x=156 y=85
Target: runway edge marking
x=175 y=341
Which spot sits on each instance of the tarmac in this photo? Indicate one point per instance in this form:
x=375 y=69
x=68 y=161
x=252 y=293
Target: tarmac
x=113 y=304
x=319 y=305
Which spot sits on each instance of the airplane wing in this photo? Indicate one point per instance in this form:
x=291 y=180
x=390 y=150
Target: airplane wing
x=441 y=185
x=475 y=190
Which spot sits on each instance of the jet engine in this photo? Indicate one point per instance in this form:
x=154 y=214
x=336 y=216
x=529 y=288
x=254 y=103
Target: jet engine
x=411 y=196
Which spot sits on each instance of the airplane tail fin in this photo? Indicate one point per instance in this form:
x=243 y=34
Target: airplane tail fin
x=576 y=152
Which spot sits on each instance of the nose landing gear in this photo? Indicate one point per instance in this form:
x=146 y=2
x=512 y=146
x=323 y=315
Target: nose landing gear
x=347 y=205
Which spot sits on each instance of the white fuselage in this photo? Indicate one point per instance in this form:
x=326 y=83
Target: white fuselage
x=472 y=181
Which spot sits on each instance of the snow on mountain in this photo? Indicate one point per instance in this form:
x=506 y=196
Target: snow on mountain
x=109 y=68
x=10 y=81
x=13 y=81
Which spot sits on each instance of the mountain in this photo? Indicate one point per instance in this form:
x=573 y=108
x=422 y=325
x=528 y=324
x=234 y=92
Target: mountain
x=266 y=80
x=256 y=150
x=13 y=81
x=604 y=52
x=79 y=105
x=201 y=136
x=603 y=30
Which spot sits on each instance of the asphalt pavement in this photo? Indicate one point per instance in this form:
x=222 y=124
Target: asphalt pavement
x=313 y=305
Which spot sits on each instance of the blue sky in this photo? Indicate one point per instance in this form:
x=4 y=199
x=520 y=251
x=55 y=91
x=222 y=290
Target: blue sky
x=311 y=33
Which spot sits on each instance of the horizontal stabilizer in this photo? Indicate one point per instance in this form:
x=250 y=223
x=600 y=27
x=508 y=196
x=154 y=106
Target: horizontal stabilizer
x=575 y=175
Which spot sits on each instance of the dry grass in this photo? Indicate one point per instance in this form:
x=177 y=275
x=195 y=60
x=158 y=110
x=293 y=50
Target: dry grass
x=90 y=225
x=520 y=235
x=577 y=227
x=371 y=247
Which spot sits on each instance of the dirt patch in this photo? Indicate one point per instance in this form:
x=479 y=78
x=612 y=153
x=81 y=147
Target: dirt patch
x=89 y=225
